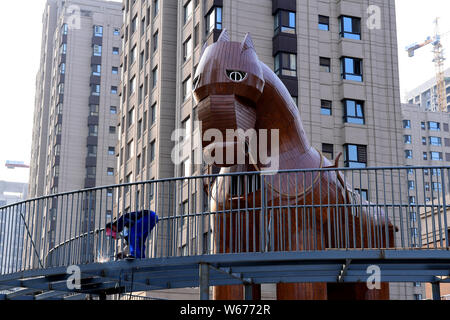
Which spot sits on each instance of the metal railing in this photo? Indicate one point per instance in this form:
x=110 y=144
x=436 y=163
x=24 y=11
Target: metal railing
x=292 y=210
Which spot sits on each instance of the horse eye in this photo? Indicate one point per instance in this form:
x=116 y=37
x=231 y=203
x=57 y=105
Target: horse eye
x=236 y=76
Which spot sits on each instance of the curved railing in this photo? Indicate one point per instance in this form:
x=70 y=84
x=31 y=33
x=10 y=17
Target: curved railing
x=69 y=228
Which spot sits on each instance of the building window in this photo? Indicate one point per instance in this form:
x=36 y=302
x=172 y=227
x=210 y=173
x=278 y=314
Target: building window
x=187 y=88
x=95 y=89
x=130 y=150
x=325 y=64
x=93 y=130
x=286 y=64
x=411 y=184
x=116 y=31
x=65 y=29
x=133 y=26
x=63 y=49
x=90 y=172
x=324 y=23
x=97 y=70
x=62 y=68
x=422 y=125
x=355 y=156
x=418 y=296
x=437 y=156
x=434 y=126
x=155 y=41
x=406 y=124
x=196 y=35
x=425 y=156
x=133 y=55
x=113 y=110
x=112 y=129
x=91 y=151
x=327 y=150
x=111 y=151
x=97 y=50
x=412 y=200
x=115 y=70
x=93 y=109
x=351 y=69
x=133 y=85
x=446 y=124
x=285 y=22
x=61 y=88
x=436 y=186
x=435 y=141
x=350 y=27
x=363 y=193
x=142 y=26
x=139 y=129
x=110 y=171
x=155 y=8
x=155 y=77
x=214 y=20
x=152 y=151
x=98 y=31
x=354 y=111
x=130 y=117
x=153 y=114
x=407 y=139
x=408 y=154
x=187 y=11
x=187 y=48
x=424 y=141
x=186 y=126
x=113 y=90
x=325 y=107
x=141 y=94
x=115 y=51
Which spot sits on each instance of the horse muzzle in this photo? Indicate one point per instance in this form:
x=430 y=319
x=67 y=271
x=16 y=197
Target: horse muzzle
x=221 y=116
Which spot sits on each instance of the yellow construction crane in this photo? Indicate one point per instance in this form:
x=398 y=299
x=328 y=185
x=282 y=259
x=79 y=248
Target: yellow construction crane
x=438 y=60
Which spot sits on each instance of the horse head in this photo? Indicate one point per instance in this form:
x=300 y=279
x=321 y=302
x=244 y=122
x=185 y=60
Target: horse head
x=227 y=86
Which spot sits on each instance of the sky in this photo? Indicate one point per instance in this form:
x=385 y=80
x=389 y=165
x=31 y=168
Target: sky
x=19 y=61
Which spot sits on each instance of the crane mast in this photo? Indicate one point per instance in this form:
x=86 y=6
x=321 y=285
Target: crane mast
x=438 y=51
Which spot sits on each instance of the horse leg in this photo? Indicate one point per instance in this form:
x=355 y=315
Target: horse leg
x=300 y=236
x=241 y=223
x=360 y=291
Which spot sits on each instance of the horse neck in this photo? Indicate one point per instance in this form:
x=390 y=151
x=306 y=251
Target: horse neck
x=277 y=110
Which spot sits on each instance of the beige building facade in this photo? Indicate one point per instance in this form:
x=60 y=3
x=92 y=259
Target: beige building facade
x=338 y=60
x=77 y=102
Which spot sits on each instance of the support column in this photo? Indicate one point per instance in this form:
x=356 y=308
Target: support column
x=436 y=290
x=248 y=291
x=204 y=281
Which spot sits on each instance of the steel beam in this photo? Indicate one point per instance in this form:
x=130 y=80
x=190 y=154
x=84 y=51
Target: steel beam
x=436 y=290
x=204 y=281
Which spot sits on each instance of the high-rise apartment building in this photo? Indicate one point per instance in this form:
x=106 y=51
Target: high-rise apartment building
x=338 y=60
x=12 y=226
x=425 y=95
x=76 y=106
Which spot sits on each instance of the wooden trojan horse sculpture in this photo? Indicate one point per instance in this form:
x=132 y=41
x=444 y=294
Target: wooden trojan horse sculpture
x=234 y=90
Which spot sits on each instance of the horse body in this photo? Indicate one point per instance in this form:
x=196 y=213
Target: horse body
x=259 y=100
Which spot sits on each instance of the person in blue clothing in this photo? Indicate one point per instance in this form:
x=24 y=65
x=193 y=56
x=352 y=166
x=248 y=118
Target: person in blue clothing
x=135 y=228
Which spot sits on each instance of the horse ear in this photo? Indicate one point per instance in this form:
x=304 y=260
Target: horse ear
x=224 y=36
x=247 y=43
